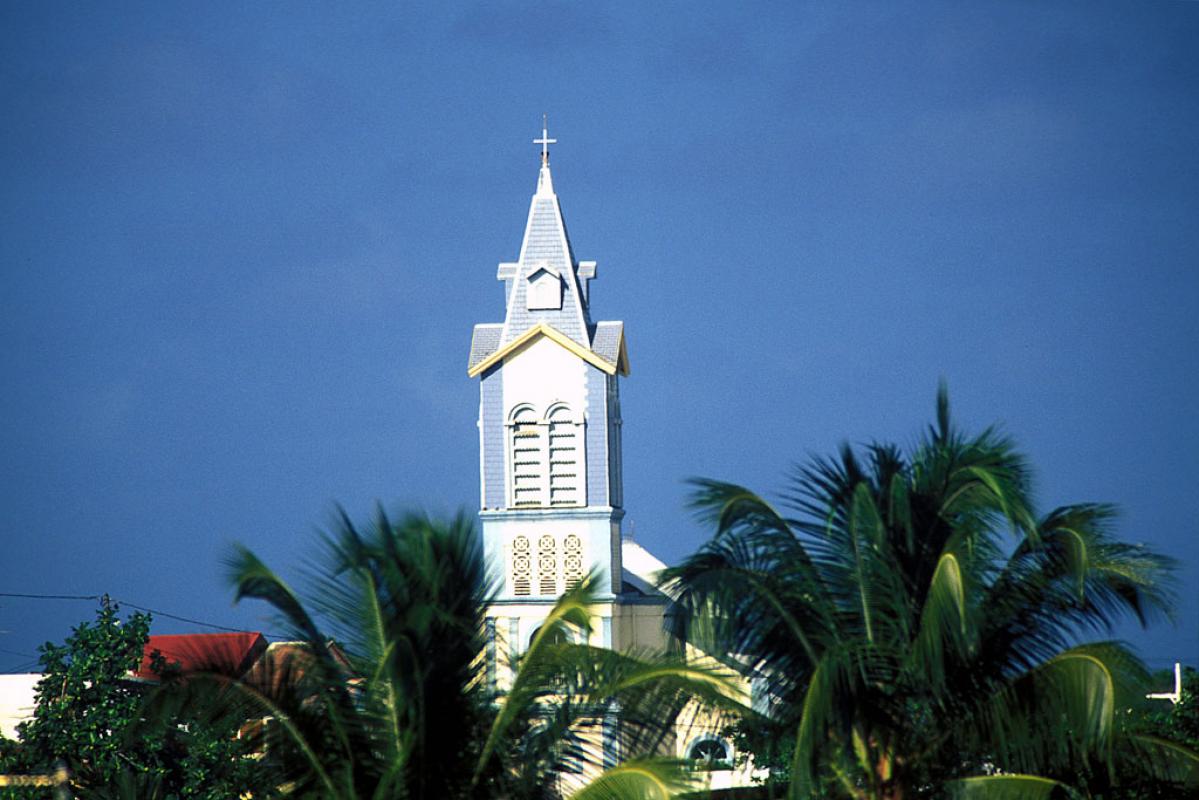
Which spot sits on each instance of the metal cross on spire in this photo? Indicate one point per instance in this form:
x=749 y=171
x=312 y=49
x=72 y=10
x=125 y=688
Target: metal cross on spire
x=545 y=141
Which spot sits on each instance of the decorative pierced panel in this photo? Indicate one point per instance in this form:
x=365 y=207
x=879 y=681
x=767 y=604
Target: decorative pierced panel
x=547 y=565
x=527 y=459
x=522 y=566
x=565 y=462
x=572 y=561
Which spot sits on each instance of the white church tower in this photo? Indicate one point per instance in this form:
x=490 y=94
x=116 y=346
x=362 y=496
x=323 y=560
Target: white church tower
x=550 y=468
x=549 y=438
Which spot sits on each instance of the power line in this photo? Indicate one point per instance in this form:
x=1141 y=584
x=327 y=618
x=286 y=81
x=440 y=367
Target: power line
x=52 y=596
x=178 y=618
x=17 y=653
x=156 y=612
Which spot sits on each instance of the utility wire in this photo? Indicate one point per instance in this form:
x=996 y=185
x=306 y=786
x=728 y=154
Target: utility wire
x=155 y=612
x=178 y=618
x=17 y=653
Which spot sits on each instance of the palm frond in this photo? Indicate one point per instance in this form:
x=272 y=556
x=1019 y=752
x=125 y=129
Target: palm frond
x=573 y=608
x=1164 y=760
x=640 y=779
x=253 y=578
x=912 y=638
x=943 y=623
x=1008 y=787
x=816 y=718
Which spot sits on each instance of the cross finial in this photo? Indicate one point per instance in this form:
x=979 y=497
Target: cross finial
x=545 y=141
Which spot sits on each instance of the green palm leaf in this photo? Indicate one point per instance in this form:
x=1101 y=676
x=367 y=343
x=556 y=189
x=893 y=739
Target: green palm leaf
x=639 y=779
x=1008 y=787
x=910 y=642
x=382 y=695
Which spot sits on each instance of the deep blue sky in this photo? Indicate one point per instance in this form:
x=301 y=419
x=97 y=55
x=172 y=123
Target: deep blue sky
x=242 y=250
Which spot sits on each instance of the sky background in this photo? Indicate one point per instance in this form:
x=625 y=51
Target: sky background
x=242 y=249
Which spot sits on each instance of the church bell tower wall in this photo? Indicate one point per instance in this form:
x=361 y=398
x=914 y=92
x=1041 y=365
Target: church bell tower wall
x=510 y=537
x=491 y=439
x=597 y=437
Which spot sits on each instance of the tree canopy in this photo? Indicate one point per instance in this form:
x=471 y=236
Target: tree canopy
x=920 y=628
x=89 y=716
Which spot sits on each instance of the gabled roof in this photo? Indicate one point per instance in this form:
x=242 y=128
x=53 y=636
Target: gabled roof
x=640 y=562
x=544 y=267
x=641 y=568
x=619 y=363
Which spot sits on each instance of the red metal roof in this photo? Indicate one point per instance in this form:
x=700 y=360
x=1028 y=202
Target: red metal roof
x=228 y=653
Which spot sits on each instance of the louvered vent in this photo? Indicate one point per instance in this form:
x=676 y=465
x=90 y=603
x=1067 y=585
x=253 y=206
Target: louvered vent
x=522 y=567
x=547 y=565
x=528 y=461
x=564 y=460
x=572 y=561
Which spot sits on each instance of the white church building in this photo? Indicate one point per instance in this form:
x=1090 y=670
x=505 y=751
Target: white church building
x=550 y=457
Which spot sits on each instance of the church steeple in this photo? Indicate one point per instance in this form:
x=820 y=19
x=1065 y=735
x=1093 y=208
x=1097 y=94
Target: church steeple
x=550 y=479
x=546 y=289
x=549 y=415
x=544 y=286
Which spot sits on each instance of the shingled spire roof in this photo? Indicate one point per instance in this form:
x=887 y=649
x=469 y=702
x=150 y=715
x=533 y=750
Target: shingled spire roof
x=546 y=249
x=545 y=246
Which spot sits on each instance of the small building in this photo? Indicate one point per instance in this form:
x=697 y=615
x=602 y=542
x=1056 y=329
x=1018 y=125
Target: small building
x=17 y=700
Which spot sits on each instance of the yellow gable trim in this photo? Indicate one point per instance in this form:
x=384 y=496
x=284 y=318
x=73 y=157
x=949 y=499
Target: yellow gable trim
x=541 y=329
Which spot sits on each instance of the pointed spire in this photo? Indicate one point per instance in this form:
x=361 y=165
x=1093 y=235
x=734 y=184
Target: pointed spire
x=546 y=291
x=546 y=248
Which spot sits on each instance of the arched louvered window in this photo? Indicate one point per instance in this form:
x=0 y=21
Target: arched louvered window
x=522 y=566
x=572 y=561
x=565 y=457
x=526 y=458
x=547 y=565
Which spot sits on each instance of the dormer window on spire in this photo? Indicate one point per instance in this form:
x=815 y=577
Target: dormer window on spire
x=545 y=289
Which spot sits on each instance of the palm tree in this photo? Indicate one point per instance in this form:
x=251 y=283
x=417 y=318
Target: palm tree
x=918 y=628
x=389 y=695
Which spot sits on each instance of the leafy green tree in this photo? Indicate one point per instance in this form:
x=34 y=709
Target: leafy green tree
x=391 y=693
x=88 y=714
x=84 y=703
x=921 y=630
